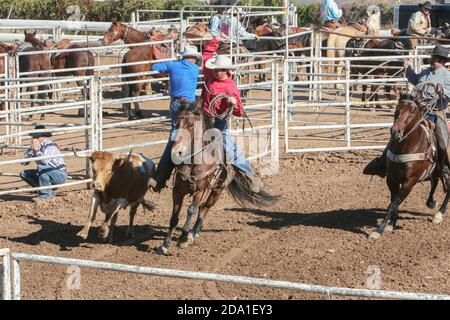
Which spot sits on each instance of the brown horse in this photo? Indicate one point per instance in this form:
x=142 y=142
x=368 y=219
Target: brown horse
x=35 y=62
x=411 y=159
x=380 y=68
x=205 y=179
x=143 y=53
x=69 y=60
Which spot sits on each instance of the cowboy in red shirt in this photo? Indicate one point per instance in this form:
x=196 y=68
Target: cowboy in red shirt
x=218 y=93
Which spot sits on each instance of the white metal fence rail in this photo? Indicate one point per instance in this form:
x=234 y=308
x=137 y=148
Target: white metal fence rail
x=14 y=275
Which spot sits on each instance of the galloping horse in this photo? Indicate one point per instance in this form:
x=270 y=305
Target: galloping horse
x=205 y=179
x=411 y=159
x=143 y=53
x=77 y=59
x=35 y=62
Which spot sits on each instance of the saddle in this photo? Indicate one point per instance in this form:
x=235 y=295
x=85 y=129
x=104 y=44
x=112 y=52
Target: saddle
x=360 y=27
x=161 y=51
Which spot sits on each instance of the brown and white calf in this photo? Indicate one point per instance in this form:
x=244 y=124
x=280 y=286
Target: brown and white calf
x=119 y=182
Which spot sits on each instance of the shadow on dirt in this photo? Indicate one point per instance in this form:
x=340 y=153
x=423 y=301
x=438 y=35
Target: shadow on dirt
x=348 y=220
x=65 y=235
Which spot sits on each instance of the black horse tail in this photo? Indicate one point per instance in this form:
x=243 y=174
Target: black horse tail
x=239 y=189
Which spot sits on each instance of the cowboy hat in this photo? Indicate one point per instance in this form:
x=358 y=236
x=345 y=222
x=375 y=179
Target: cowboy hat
x=426 y=5
x=236 y=11
x=190 y=52
x=220 y=62
x=40 y=134
x=440 y=51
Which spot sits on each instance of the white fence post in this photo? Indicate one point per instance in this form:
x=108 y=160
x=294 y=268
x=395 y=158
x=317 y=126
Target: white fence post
x=6 y=274
x=348 y=134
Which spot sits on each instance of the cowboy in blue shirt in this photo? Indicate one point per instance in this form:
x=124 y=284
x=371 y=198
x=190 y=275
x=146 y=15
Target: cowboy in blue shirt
x=183 y=76
x=332 y=16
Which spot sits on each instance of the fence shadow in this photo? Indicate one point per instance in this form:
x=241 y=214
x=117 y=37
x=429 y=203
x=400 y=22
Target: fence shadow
x=348 y=220
x=65 y=235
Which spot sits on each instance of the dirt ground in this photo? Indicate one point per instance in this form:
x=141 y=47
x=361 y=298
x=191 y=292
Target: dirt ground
x=315 y=234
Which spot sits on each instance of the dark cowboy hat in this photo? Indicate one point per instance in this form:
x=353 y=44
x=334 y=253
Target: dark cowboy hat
x=40 y=134
x=440 y=51
x=426 y=5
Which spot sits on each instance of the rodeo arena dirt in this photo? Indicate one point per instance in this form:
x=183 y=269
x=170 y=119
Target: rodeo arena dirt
x=308 y=133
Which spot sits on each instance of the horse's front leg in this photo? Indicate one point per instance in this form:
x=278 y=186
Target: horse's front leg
x=398 y=195
x=186 y=234
x=203 y=211
x=177 y=197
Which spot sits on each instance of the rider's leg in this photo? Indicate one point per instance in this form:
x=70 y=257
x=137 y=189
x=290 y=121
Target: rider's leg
x=165 y=165
x=441 y=132
x=237 y=159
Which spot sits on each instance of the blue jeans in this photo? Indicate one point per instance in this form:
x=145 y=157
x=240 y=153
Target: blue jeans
x=165 y=165
x=37 y=178
x=232 y=154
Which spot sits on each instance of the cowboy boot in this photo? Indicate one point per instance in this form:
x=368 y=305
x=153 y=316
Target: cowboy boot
x=377 y=167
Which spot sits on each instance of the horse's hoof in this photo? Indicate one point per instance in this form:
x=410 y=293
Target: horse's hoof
x=162 y=250
x=389 y=228
x=375 y=235
x=431 y=204
x=82 y=234
x=132 y=118
x=183 y=244
x=438 y=217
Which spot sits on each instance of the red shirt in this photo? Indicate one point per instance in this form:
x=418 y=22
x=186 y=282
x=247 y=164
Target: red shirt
x=215 y=87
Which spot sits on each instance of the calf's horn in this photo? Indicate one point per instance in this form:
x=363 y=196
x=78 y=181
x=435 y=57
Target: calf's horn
x=78 y=156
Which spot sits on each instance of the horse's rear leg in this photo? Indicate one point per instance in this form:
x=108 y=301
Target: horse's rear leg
x=438 y=217
x=431 y=203
x=398 y=195
x=177 y=196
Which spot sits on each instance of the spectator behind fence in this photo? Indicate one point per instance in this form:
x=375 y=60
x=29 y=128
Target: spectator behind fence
x=49 y=171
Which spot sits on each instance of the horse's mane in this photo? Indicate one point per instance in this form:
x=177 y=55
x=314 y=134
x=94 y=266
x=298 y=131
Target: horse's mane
x=406 y=96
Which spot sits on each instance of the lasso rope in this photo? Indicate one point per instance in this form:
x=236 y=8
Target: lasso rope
x=425 y=100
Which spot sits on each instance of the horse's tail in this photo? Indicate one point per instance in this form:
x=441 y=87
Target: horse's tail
x=240 y=192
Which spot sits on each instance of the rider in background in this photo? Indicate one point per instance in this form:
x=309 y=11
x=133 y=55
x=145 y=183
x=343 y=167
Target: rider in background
x=215 y=21
x=233 y=28
x=331 y=15
x=218 y=81
x=440 y=75
x=420 y=22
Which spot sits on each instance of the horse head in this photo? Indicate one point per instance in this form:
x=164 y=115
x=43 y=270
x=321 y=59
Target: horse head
x=114 y=33
x=407 y=115
x=30 y=37
x=189 y=130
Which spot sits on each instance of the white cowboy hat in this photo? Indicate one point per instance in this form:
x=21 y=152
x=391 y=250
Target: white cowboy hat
x=236 y=11
x=220 y=62
x=190 y=51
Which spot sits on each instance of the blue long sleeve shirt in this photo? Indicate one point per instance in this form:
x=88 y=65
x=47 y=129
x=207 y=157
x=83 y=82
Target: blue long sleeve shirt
x=329 y=10
x=214 y=24
x=183 y=77
x=440 y=76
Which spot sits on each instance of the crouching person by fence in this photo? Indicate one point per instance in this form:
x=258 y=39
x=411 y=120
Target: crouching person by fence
x=49 y=171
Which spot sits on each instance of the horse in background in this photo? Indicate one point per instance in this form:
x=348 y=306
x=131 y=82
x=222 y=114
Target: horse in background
x=142 y=53
x=337 y=41
x=74 y=59
x=35 y=62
